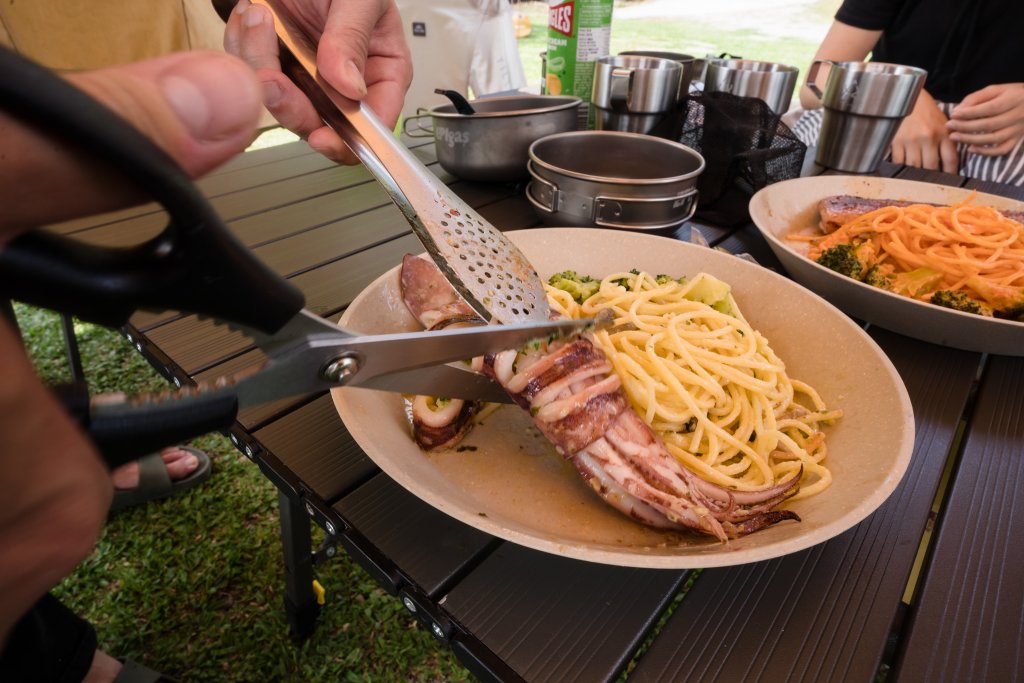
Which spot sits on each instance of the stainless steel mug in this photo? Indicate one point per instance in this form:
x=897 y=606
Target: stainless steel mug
x=864 y=103
x=632 y=93
x=770 y=82
x=690 y=64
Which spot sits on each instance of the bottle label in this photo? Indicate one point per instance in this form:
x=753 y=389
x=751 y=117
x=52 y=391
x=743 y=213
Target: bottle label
x=579 y=31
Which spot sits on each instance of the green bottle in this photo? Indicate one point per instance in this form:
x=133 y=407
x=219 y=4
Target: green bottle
x=579 y=31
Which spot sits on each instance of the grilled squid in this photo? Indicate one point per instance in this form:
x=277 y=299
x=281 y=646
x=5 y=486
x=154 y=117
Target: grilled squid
x=576 y=400
x=437 y=422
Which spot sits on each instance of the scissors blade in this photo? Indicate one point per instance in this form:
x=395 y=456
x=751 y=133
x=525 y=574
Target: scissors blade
x=322 y=357
x=440 y=380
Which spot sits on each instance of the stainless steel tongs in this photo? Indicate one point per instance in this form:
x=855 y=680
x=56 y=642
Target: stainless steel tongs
x=487 y=269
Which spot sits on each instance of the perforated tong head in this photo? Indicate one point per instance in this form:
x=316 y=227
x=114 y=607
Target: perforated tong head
x=484 y=266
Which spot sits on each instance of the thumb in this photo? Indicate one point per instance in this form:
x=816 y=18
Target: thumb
x=343 y=48
x=201 y=108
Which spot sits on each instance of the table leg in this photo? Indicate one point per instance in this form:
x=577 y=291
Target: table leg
x=300 y=602
x=71 y=347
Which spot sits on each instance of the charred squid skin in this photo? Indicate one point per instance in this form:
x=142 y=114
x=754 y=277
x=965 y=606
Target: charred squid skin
x=431 y=438
x=455 y=317
x=618 y=454
x=758 y=522
x=433 y=302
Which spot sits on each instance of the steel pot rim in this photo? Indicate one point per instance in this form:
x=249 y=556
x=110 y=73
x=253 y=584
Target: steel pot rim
x=613 y=179
x=568 y=102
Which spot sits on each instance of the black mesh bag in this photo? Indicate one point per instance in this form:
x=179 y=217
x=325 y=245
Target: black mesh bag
x=745 y=146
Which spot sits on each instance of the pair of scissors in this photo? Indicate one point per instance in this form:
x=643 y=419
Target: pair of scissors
x=195 y=265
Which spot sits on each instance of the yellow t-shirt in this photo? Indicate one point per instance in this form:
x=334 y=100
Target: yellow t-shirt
x=72 y=35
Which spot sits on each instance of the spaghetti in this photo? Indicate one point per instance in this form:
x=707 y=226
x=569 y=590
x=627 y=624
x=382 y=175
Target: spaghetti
x=708 y=383
x=970 y=248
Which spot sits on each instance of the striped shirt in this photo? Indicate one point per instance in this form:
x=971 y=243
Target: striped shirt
x=1008 y=168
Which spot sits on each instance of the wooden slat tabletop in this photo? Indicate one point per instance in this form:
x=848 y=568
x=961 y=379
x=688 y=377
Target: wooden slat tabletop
x=852 y=608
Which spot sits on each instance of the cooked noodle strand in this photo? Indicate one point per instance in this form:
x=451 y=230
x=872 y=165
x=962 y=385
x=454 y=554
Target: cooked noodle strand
x=708 y=384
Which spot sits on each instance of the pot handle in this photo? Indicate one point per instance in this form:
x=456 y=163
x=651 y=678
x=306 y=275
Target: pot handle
x=607 y=208
x=419 y=131
x=549 y=189
x=812 y=76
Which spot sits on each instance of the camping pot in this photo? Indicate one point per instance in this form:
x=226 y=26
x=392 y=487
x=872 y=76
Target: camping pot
x=613 y=179
x=769 y=82
x=634 y=94
x=492 y=144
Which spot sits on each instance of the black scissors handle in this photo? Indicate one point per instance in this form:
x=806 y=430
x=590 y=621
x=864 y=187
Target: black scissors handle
x=194 y=265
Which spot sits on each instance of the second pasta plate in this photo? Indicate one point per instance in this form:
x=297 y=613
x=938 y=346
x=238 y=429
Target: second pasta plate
x=507 y=480
x=791 y=207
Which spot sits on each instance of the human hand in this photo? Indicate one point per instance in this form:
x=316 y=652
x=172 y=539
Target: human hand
x=201 y=108
x=922 y=140
x=55 y=490
x=361 y=52
x=991 y=120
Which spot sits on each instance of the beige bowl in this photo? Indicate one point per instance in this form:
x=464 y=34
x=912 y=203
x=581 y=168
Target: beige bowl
x=508 y=481
x=791 y=207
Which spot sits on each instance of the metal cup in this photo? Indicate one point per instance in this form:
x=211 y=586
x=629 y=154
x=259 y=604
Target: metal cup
x=633 y=94
x=865 y=103
x=690 y=64
x=770 y=82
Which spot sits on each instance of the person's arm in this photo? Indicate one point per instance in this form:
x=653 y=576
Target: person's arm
x=991 y=120
x=55 y=490
x=842 y=43
x=361 y=52
x=202 y=109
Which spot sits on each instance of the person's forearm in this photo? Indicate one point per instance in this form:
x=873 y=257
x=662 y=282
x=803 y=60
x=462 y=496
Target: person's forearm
x=55 y=491
x=842 y=43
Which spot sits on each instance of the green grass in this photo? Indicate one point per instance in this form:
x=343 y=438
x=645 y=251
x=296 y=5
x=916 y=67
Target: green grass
x=192 y=586
x=697 y=38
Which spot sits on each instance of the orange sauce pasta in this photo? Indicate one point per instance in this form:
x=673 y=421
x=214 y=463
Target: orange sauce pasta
x=976 y=249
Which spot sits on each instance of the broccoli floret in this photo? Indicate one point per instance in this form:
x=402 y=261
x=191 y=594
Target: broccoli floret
x=664 y=279
x=1007 y=301
x=625 y=281
x=581 y=287
x=913 y=283
x=711 y=291
x=958 y=301
x=842 y=259
x=879 y=276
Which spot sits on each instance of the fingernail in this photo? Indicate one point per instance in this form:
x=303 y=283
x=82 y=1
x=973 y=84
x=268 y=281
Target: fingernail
x=954 y=137
x=271 y=93
x=189 y=103
x=213 y=101
x=356 y=77
x=192 y=461
x=253 y=18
